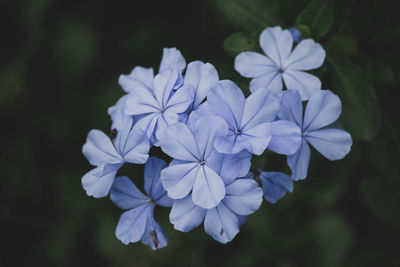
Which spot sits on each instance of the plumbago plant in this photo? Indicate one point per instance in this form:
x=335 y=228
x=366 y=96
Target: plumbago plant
x=209 y=131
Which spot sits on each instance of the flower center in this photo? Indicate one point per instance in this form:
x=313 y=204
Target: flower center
x=202 y=162
x=238 y=132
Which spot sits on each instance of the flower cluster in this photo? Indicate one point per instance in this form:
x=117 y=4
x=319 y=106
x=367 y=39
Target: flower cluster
x=209 y=132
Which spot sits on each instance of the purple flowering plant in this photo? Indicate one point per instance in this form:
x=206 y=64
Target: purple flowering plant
x=208 y=132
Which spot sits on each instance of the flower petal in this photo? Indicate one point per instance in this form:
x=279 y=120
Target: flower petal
x=243 y=196
x=99 y=149
x=152 y=182
x=275 y=185
x=209 y=189
x=261 y=106
x=291 y=107
x=305 y=83
x=286 y=137
x=139 y=77
x=277 y=44
x=154 y=235
x=172 y=59
x=180 y=100
x=323 y=108
x=179 y=143
x=163 y=85
x=141 y=101
x=98 y=182
x=227 y=100
x=252 y=64
x=132 y=224
x=206 y=130
x=299 y=162
x=185 y=215
x=179 y=179
x=307 y=55
x=271 y=80
x=200 y=76
x=257 y=137
x=126 y=195
x=334 y=144
x=221 y=223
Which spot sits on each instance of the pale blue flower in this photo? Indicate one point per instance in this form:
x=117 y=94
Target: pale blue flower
x=275 y=185
x=142 y=77
x=251 y=121
x=138 y=223
x=194 y=154
x=128 y=145
x=296 y=35
x=243 y=197
x=323 y=109
x=201 y=77
x=161 y=106
x=282 y=63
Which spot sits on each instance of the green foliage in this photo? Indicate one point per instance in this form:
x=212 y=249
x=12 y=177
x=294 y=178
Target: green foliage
x=240 y=42
x=361 y=112
x=317 y=16
x=250 y=15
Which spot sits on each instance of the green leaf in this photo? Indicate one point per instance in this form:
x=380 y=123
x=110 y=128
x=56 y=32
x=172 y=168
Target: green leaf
x=250 y=15
x=361 y=113
x=318 y=16
x=240 y=42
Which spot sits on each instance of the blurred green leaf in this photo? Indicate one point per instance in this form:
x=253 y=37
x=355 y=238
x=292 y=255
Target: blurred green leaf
x=380 y=201
x=318 y=16
x=343 y=44
x=361 y=113
x=251 y=15
x=333 y=238
x=240 y=42
x=289 y=9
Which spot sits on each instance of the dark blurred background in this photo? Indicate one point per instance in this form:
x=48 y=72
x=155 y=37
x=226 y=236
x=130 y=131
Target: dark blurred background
x=59 y=66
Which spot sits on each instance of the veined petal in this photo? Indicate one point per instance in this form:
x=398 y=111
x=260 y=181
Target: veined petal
x=227 y=101
x=141 y=101
x=299 y=162
x=252 y=64
x=132 y=224
x=221 y=223
x=138 y=78
x=163 y=85
x=277 y=44
x=261 y=106
x=152 y=182
x=180 y=100
x=185 y=215
x=322 y=109
x=200 y=76
x=286 y=137
x=230 y=167
x=258 y=138
x=206 y=130
x=271 y=80
x=307 y=55
x=154 y=235
x=243 y=196
x=275 y=185
x=334 y=144
x=172 y=59
x=305 y=83
x=201 y=111
x=126 y=195
x=208 y=189
x=165 y=119
x=99 y=149
x=291 y=107
x=98 y=182
x=179 y=143
x=179 y=179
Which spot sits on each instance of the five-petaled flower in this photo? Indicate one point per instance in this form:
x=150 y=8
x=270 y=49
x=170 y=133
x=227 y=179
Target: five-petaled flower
x=280 y=63
x=137 y=223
